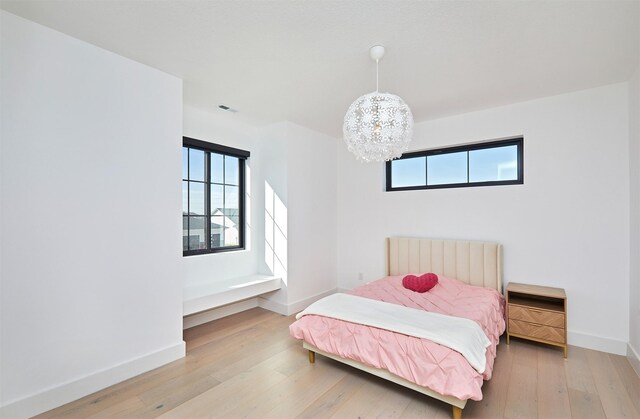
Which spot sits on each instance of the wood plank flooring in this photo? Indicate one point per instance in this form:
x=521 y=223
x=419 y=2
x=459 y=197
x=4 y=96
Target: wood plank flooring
x=247 y=366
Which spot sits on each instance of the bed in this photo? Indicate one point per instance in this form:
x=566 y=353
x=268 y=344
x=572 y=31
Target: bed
x=470 y=286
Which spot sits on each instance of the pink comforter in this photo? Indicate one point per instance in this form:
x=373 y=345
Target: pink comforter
x=418 y=360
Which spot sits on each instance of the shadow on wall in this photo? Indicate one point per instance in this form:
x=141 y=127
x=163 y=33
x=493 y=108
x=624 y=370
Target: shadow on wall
x=247 y=206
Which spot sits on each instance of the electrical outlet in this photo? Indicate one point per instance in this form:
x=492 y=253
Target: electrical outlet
x=360 y=276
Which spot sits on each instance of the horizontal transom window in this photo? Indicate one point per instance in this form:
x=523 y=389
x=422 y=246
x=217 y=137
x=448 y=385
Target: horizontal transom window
x=482 y=164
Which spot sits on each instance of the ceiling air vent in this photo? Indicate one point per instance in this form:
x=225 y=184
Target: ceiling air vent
x=226 y=108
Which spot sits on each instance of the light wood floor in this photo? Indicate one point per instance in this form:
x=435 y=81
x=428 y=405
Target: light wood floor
x=246 y=365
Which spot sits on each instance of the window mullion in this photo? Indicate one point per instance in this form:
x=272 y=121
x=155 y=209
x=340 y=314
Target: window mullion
x=467 y=167
x=188 y=198
x=426 y=171
x=224 y=201
x=207 y=198
x=241 y=208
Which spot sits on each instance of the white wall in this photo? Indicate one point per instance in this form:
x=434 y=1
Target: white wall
x=313 y=210
x=299 y=173
x=90 y=237
x=272 y=208
x=634 y=163
x=567 y=226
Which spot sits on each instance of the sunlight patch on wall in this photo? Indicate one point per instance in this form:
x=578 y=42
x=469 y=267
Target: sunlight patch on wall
x=275 y=233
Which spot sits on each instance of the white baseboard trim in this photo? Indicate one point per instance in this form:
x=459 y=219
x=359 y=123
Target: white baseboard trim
x=218 y=313
x=597 y=343
x=634 y=358
x=73 y=390
x=287 y=310
x=274 y=306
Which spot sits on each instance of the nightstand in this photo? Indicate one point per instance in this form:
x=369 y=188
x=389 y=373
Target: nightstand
x=537 y=313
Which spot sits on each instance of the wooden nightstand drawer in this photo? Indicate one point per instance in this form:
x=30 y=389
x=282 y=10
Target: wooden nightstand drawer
x=532 y=315
x=553 y=334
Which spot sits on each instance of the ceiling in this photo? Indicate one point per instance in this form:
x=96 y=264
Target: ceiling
x=306 y=61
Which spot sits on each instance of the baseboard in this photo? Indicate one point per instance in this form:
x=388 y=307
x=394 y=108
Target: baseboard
x=597 y=343
x=634 y=359
x=273 y=306
x=218 y=313
x=73 y=390
x=287 y=310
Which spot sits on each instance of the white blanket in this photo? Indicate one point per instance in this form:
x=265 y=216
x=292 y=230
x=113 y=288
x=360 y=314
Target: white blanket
x=461 y=335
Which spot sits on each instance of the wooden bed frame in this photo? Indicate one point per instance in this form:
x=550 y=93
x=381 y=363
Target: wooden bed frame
x=473 y=262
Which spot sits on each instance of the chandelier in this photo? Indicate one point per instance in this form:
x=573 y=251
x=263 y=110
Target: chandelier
x=378 y=126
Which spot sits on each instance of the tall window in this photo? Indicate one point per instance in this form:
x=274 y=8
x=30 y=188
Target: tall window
x=212 y=197
x=483 y=164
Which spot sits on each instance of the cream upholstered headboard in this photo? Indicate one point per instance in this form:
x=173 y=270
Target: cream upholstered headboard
x=474 y=262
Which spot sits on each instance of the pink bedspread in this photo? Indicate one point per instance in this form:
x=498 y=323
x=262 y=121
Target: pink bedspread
x=418 y=360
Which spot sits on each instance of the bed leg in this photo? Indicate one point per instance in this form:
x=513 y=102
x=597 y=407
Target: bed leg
x=457 y=412
x=312 y=357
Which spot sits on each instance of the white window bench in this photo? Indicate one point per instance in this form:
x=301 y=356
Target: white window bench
x=210 y=295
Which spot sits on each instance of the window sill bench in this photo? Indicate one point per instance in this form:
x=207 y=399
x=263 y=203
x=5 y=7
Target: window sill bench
x=209 y=295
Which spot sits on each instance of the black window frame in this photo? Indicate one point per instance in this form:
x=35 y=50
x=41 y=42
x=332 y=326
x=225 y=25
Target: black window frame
x=242 y=156
x=517 y=141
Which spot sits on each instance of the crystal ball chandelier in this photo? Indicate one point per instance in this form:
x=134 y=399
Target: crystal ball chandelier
x=378 y=126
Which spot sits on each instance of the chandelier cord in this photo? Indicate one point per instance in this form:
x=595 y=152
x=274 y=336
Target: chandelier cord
x=377 y=60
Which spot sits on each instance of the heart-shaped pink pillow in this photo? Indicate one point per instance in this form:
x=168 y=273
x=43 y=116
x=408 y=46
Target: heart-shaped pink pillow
x=422 y=283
